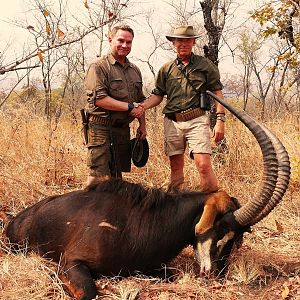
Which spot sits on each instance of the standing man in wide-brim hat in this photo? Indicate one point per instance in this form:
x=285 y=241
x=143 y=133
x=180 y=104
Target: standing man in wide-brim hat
x=184 y=81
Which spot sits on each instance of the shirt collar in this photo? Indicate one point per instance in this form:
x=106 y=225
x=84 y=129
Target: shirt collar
x=179 y=61
x=113 y=61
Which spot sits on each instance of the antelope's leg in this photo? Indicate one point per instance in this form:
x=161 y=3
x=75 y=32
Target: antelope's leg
x=78 y=281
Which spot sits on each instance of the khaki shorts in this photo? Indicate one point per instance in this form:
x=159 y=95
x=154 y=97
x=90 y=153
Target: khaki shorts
x=195 y=133
x=99 y=154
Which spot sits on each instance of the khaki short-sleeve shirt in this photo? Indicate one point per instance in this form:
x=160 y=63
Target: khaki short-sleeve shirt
x=106 y=77
x=170 y=81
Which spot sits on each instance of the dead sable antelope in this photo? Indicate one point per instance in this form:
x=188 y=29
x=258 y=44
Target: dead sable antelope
x=117 y=228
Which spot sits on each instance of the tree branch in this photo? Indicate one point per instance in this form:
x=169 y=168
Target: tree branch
x=12 y=67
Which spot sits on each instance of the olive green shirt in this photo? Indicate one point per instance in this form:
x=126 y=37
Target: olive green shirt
x=170 y=81
x=107 y=77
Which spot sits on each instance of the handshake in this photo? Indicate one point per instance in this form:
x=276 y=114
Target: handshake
x=138 y=110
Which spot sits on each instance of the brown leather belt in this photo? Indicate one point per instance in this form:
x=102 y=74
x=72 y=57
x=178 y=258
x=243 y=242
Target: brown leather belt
x=186 y=115
x=104 y=121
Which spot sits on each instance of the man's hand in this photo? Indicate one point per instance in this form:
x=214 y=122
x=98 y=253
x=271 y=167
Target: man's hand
x=138 y=110
x=141 y=132
x=218 y=131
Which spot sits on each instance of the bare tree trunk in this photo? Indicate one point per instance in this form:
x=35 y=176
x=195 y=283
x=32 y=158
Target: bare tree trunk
x=281 y=93
x=214 y=14
x=214 y=24
x=246 y=85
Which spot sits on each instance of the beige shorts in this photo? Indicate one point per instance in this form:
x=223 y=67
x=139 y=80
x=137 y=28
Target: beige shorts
x=194 y=133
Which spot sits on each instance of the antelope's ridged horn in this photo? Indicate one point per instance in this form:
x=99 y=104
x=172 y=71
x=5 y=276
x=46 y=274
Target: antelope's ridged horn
x=270 y=152
x=284 y=172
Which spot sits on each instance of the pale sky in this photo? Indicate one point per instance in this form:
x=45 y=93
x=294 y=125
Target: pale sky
x=14 y=9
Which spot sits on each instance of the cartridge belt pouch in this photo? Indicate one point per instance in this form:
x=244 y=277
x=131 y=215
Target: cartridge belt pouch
x=99 y=120
x=186 y=115
x=104 y=121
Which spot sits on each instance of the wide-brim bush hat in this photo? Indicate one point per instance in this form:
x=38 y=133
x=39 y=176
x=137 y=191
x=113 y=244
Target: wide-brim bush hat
x=139 y=152
x=183 y=32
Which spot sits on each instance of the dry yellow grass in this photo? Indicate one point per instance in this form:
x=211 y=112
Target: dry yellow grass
x=39 y=157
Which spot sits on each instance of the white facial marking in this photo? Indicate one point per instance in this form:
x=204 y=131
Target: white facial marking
x=203 y=256
x=221 y=243
x=108 y=225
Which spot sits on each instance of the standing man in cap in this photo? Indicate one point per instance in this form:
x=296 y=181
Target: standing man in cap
x=184 y=82
x=114 y=87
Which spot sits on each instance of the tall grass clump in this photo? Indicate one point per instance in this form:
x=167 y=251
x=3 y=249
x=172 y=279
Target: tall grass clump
x=41 y=157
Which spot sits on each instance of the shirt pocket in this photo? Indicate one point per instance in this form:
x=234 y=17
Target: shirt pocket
x=138 y=90
x=174 y=86
x=118 y=89
x=198 y=79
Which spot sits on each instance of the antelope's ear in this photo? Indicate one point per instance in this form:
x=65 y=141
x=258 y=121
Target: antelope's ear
x=218 y=203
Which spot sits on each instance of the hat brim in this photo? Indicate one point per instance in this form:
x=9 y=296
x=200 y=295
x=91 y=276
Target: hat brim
x=139 y=152
x=171 y=37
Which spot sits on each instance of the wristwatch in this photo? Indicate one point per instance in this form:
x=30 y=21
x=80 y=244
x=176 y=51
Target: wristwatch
x=130 y=106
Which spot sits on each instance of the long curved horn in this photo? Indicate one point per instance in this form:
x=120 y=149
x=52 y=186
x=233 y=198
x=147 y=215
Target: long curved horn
x=274 y=171
x=284 y=171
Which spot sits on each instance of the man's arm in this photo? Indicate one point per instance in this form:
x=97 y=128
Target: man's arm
x=110 y=103
x=152 y=101
x=141 y=131
x=219 y=129
x=219 y=107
